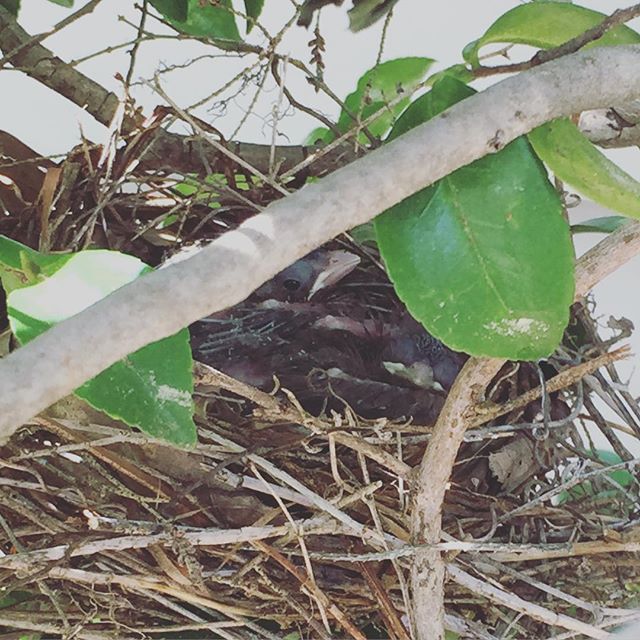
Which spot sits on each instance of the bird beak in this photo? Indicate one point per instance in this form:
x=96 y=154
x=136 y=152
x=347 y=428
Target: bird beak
x=339 y=264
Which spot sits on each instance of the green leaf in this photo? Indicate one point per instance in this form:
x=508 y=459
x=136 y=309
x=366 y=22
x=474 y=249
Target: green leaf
x=367 y=12
x=484 y=257
x=12 y=598
x=607 y=224
x=364 y=233
x=577 y=162
x=547 y=24
x=458 y=71
x=172 y=9
x=318 y=135
x=376 y=89
x=206 y=21
x=599 y=487
x=22 y=266
x=253 y=9
x=12 y=6
x=63 y=3
x=449 y=91
x=151 y=388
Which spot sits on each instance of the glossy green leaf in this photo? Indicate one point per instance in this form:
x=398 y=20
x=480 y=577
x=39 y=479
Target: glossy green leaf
x=576 y=161
x=376 y=89
x=484 y=257
x=317 y=135
x=253 y=9
x=172 y=9
x=446 y=91
x=22 y=266
x=607 y=224
x=547 y=24
x=63 y=3
x=151 y=388
x=458 y=71
x=364 y=233
x=207 y=21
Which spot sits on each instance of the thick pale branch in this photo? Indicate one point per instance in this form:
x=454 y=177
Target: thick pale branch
x=612 y=128
x=159 y=304
x=427 y=568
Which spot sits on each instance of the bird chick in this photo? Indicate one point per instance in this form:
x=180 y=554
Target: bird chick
x=264 y=334
x=302 y=280
x=415 y=355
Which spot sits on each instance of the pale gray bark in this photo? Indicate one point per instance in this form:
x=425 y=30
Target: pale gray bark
x=613 y=127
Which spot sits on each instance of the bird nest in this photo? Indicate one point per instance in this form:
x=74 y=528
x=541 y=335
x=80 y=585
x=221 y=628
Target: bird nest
x=291 y=515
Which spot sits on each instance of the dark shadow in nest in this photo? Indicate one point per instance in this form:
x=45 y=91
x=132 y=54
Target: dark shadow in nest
x=352 y=345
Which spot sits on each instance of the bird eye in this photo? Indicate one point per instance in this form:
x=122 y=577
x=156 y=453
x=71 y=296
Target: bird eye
x=291 y=285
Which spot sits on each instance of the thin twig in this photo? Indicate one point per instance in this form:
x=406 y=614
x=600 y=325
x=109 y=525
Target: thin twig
x=516 y=603
x=618 y=17
x=34 y=40
x=205 y=135
x=562 y=380
x=136 y=44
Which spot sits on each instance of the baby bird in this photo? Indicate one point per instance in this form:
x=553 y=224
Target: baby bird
x=306 y=277
x=415 y=355
x=328 y=359
x=266 y=333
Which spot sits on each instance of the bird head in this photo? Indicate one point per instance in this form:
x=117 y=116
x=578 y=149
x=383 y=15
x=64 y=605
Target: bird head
x=306 y=277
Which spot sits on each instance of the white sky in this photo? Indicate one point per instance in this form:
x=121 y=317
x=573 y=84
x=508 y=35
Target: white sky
x=438 y=30
x=51 y=123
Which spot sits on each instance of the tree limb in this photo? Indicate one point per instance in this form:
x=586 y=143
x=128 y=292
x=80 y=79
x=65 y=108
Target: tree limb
x=458 y=415
x=41 y=64
x=221 y=275
x=168 y=150
x=428 y=568
x=612 y=128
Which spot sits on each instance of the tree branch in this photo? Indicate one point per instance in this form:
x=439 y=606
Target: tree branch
x=41 y=64
x=612 y=128
x=162 y=302
x=168 y=150
x=427 y=568
x=65 y=22
x=457 y=415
